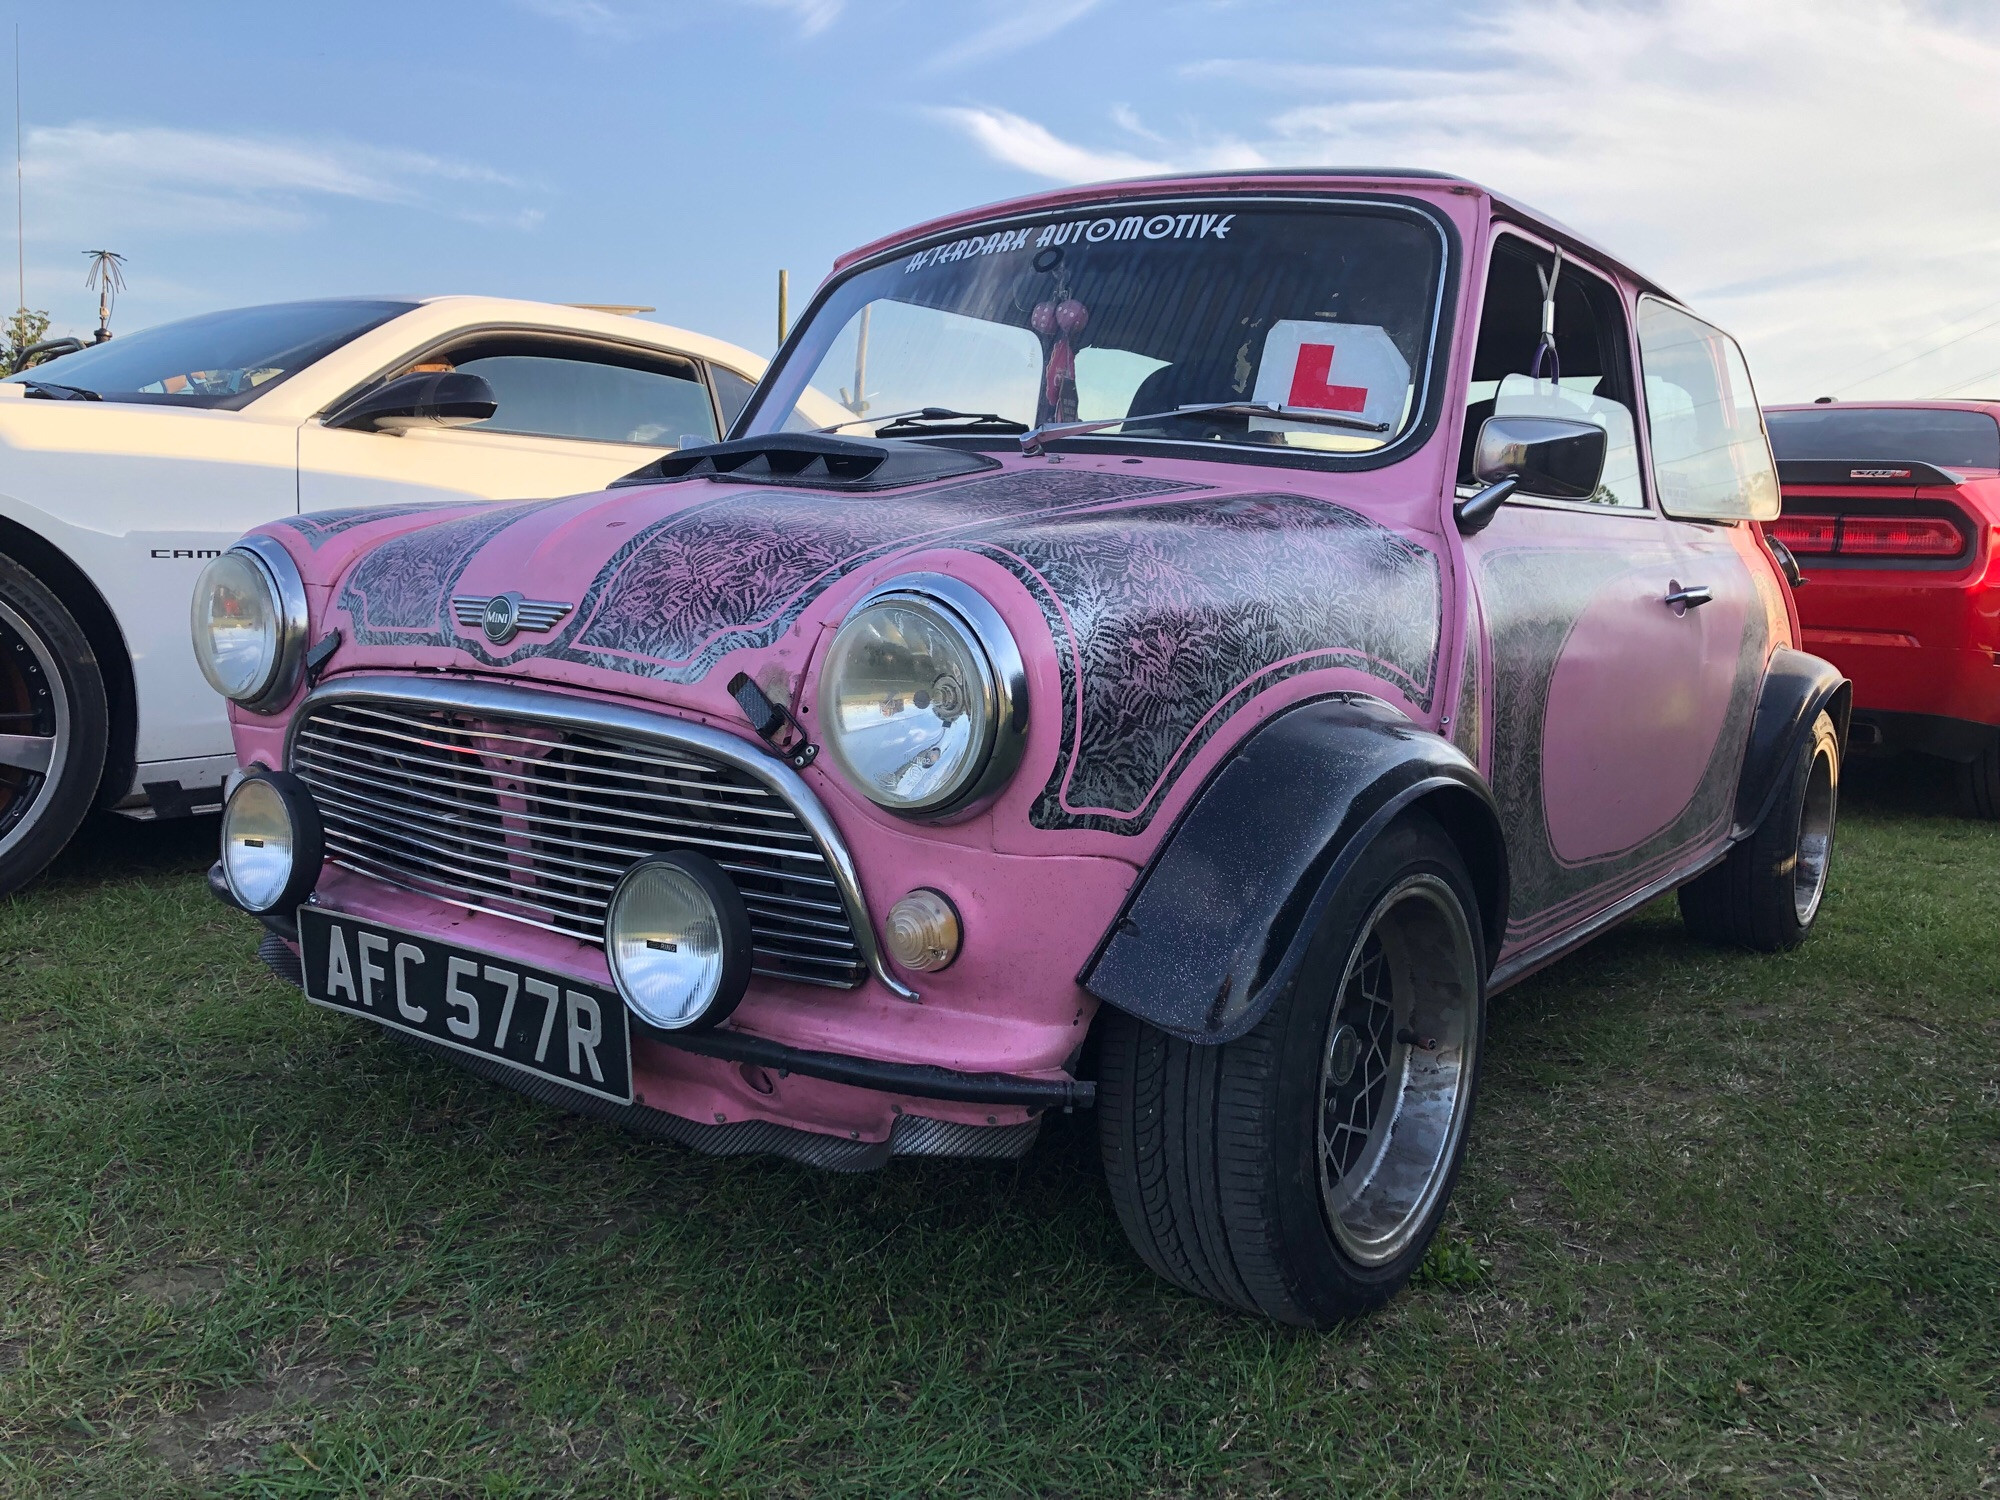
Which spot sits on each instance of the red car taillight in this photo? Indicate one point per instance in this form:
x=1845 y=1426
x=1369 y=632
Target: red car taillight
x=1807 y=536
x=1916 y=538
x=1899 y=536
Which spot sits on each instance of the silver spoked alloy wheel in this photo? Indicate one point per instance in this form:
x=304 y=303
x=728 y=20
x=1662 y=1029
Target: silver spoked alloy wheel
x=1394 y=1074
x=1815 y=841
x=34 y=727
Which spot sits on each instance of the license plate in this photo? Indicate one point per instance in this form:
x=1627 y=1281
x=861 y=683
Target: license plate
x=542 y=1023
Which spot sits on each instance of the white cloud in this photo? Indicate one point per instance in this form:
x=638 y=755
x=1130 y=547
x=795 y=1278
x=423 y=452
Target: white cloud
x=1020 y=142
x=621 y=20
x=84 y=175
x=1821 y=175
x=1017 y=24
x=812 y=16
x=1017 y=142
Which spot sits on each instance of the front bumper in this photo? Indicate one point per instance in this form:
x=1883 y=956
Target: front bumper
x=730 y=1092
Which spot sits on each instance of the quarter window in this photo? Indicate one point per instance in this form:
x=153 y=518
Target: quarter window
x=1711 y=460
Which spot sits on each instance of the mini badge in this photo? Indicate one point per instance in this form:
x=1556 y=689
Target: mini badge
x=503 y=616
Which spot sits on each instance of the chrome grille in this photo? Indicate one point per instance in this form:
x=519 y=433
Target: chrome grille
x=536 y=821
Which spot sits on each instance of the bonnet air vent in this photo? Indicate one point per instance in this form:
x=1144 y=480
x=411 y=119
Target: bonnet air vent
x=813 y=461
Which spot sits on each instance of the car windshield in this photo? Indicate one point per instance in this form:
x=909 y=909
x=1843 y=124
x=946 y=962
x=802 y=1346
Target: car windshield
x=1126 y=310
x=218 y=359
x=1885 y=434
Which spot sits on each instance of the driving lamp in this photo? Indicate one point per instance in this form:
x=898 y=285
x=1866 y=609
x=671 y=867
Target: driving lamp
x=248 y=619
x=922 y=701
x=677 y=937
x=272 y=843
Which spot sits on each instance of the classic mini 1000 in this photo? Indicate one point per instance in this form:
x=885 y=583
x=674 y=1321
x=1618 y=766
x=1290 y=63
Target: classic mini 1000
x=1241 y=624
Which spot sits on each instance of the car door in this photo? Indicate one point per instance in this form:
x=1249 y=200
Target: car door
x=572 y=415
x=1606 y=717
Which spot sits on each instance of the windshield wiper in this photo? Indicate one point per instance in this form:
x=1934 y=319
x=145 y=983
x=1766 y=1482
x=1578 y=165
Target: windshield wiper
x=916 y=421
x=1031 y=442
x=48 y=390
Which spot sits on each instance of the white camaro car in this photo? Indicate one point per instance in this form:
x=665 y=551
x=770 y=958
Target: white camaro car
x=126 y=465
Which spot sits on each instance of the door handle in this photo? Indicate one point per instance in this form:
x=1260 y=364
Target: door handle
x=1683 y=597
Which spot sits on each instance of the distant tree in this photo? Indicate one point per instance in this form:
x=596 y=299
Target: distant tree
x=24 y=330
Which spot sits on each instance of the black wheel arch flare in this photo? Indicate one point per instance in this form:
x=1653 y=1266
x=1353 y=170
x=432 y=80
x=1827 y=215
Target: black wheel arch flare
x=1797 y=686
x=1217 y=924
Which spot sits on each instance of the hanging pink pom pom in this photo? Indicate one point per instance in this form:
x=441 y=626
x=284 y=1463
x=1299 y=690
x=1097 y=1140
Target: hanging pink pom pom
x=1043 y=318
x=1071 y=315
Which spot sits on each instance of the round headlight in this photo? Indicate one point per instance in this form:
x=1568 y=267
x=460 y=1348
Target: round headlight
x=272 y=845
x=677 y=937
x=922 y=701
x=249 y=625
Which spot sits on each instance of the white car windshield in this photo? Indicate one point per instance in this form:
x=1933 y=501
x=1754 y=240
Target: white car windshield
x=1128 y=310
x=221 y=359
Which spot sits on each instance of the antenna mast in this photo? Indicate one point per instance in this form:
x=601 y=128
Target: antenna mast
x=20 y=212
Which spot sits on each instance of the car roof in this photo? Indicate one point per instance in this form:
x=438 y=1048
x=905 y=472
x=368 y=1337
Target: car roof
x=1421 y=180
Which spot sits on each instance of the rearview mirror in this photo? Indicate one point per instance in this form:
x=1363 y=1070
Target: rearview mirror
x=442 y=398
x=1547 y=457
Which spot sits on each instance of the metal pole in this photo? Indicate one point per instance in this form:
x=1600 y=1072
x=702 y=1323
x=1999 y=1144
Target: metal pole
x=784 y=300
x=20 y=210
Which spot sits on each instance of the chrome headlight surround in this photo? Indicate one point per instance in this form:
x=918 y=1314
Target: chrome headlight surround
x=285 y=598
x=998 y=690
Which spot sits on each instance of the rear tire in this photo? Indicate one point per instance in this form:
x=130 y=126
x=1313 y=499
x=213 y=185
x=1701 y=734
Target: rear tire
x=54 y=726
x=1301 y=1171
x=1765 y=895
x=1979 y=781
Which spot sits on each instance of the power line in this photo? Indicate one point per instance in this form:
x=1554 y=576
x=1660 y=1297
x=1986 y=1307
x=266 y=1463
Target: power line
x=1900 y=344
x=1924 y=354
x=1953 y=389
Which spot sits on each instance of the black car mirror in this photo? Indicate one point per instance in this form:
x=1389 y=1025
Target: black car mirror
x=1548 y=457
x=440 y=398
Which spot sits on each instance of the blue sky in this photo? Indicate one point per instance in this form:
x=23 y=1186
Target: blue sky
x=1819 y=175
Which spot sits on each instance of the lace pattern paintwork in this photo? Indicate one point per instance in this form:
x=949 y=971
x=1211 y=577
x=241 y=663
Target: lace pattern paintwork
x=1167 y=614
x=322 y=526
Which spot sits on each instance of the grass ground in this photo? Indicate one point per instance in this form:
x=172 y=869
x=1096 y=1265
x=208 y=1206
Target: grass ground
x=1730 y=1226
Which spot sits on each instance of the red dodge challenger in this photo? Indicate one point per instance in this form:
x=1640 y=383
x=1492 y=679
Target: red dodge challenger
x=1893 y=511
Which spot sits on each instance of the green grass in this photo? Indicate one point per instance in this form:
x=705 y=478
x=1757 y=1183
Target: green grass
x=1729 y=1227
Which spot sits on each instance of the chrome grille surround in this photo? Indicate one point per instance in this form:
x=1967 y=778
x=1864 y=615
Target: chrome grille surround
x=528 y=804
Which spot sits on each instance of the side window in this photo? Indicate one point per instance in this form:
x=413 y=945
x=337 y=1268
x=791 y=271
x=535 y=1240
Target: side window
x=552 y=388
x=732 y=393
x=1711 y=459
x=1588 y=380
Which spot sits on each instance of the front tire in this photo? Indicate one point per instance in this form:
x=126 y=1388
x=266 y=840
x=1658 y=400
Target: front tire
x=54 y=726
x=1766 y=893
x=1301 y=1171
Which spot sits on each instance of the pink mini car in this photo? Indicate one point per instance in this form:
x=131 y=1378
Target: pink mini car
x=1229 y=628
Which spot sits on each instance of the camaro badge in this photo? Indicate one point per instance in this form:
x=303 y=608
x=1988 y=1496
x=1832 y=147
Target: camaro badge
x=503 y=616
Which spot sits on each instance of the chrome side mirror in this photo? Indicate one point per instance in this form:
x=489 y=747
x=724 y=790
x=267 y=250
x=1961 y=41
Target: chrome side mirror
x=440 y=398
x=1549 y=457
